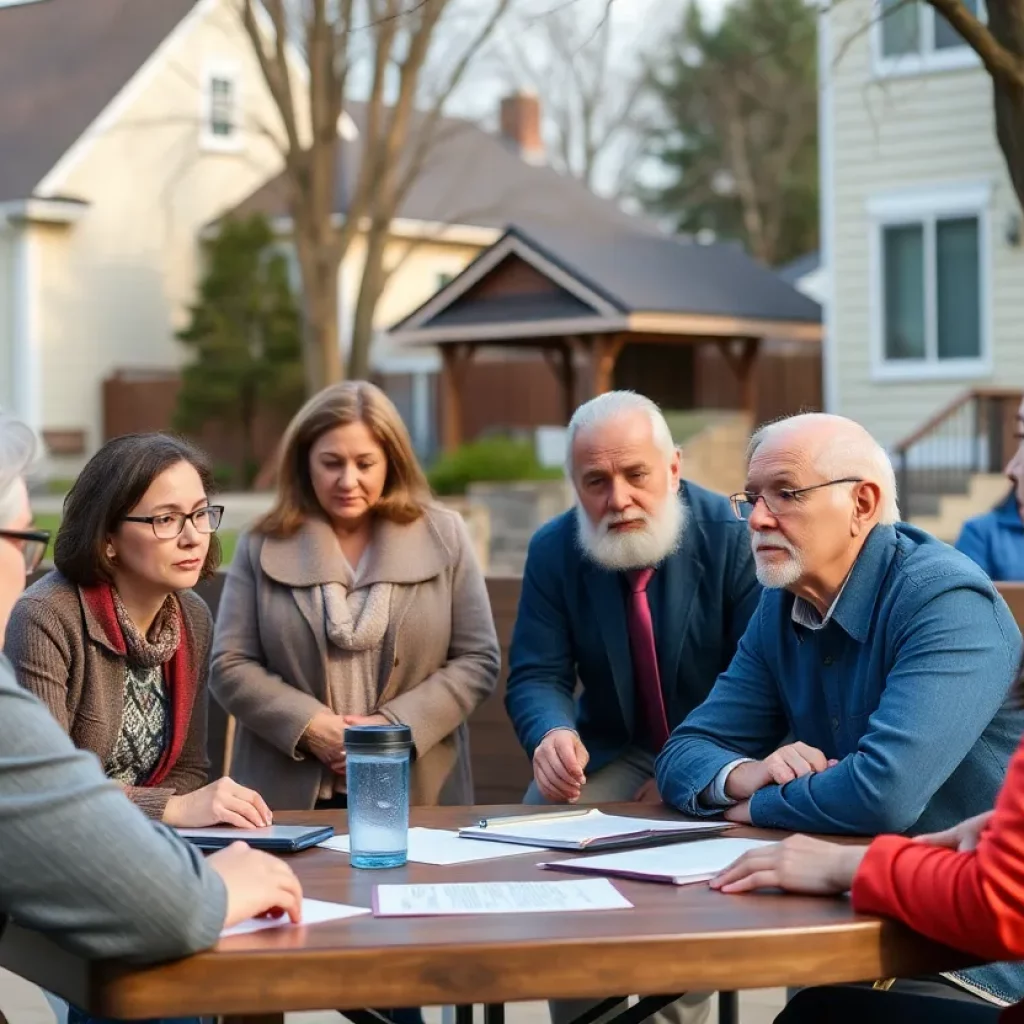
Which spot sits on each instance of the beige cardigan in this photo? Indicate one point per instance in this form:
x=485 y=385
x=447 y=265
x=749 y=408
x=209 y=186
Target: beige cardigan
x=439 y=662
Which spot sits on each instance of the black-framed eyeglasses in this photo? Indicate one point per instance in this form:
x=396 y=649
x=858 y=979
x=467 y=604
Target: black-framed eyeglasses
x=168 y=525
x=33 y=544
x=780 y=501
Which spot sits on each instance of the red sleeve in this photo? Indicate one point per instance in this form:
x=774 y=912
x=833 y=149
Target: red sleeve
x=972 y=901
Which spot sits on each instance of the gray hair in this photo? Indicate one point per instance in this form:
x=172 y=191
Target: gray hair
x=609 y=406
x=18 y=451
x=849 y=451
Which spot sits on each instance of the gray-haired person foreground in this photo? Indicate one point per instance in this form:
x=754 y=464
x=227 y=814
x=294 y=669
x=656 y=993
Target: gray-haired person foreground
x=77 y=860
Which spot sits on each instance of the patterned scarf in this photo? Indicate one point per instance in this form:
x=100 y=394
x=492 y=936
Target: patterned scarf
x=165 y=645
x=164 y=636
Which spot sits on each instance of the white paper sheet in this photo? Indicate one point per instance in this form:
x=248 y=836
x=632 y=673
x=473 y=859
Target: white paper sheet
x=680 y=863
x=313 y=912
x=497 y=898
x=590 y=826
x=436 y=846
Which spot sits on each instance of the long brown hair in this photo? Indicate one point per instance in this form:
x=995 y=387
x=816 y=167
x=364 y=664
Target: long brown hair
x=406 y=491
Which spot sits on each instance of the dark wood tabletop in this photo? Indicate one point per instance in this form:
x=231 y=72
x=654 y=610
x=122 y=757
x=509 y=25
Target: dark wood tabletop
x=677 y=939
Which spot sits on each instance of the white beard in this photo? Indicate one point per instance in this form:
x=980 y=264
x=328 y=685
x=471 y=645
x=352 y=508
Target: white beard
x=775 y=575
x=634 y=549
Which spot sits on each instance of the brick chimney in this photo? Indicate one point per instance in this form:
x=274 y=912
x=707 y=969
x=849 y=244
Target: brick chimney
x=520 y=125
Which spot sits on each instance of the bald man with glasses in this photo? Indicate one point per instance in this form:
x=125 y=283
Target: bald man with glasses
x=869 y=692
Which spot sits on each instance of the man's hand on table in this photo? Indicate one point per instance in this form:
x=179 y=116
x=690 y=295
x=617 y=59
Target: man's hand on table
x=257 y=884
x=790 y=762
x=558 y=764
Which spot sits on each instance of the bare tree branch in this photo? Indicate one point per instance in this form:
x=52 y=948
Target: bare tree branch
x=998 y=61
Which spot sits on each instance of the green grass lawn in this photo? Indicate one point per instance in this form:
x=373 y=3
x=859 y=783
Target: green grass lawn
x=50 y=521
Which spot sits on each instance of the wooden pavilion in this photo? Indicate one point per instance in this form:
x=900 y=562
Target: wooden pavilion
x=609 y=308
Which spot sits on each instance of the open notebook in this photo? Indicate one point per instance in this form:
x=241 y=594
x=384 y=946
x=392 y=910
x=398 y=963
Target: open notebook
x=588 y=830
x=679 y=864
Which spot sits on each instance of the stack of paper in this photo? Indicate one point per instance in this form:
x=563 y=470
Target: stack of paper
x=679 y=864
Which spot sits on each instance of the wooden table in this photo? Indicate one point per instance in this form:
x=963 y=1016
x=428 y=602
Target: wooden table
x=675 y=940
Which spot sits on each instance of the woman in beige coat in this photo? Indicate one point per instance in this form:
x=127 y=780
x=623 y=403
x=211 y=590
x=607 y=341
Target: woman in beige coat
x=356 y=600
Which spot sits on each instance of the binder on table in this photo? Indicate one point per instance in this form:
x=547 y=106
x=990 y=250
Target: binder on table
x=588 y=829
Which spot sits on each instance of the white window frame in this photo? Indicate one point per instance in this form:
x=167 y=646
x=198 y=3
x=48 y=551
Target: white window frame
x=926 y=60
x=925 y=205
x=233 y=143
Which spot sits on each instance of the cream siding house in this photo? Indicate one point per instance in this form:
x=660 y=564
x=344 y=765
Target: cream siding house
x=125 y=155
x=921 y=228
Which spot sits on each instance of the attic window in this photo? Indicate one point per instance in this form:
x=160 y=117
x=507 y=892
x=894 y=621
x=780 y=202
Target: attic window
x=221 y=129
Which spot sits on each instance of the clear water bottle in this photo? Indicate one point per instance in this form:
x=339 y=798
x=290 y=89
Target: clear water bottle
x=377 y=773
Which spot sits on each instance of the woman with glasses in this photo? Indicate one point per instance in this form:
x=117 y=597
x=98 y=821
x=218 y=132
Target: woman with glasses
x=115 y=642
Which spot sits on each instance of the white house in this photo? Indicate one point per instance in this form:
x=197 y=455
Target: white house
x=125 y=128
x=921 y=227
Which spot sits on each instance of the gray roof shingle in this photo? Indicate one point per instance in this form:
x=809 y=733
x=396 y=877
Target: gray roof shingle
x=640 y=272
x=61 y=63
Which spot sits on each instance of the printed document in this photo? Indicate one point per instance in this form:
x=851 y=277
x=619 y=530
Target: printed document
x=497 y=898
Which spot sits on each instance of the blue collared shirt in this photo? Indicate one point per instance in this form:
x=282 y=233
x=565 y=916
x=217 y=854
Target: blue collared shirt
x=996 y=541
x=906 y=686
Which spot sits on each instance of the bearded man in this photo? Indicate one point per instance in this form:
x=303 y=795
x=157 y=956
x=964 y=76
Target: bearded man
x=638 y=597
x=640 y=594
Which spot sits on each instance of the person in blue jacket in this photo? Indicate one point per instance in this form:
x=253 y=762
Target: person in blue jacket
x=995 y=540
x=637 y=597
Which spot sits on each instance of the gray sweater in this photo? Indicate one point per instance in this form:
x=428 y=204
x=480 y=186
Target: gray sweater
x=79 y=861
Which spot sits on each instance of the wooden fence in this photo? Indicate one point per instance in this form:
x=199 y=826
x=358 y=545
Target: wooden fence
x=501 y=771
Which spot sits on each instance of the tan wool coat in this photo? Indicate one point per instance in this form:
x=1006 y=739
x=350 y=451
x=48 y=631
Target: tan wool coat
x=439 y=662
x=62 y=655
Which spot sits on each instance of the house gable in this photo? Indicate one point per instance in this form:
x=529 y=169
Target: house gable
x=512 y=290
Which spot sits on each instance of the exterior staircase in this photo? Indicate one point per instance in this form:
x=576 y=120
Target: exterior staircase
x=951 y=468
x=983 y=491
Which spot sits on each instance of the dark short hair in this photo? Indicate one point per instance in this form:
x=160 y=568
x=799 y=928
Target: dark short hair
x=112 y=483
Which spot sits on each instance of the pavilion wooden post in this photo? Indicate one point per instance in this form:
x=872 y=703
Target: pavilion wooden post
x=604 y=350
x=455 y=359
x=561 y=359
x=743 y=364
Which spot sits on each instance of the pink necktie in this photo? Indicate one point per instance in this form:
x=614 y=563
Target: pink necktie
x=645 y=659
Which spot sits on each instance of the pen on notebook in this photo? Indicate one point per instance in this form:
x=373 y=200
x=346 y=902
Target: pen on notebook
x=525 y=818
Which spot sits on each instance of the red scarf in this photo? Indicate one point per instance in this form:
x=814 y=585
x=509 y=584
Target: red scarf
x=179 y=673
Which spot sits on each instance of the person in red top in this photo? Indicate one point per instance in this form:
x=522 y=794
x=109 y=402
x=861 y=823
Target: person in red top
x=963 y=887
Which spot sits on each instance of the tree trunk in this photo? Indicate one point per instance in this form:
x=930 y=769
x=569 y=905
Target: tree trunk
x=370 y=288
x=319 y=262
x=1006 y=21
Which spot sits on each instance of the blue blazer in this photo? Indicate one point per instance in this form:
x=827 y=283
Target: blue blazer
x=571 y=626
x=996 y=541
